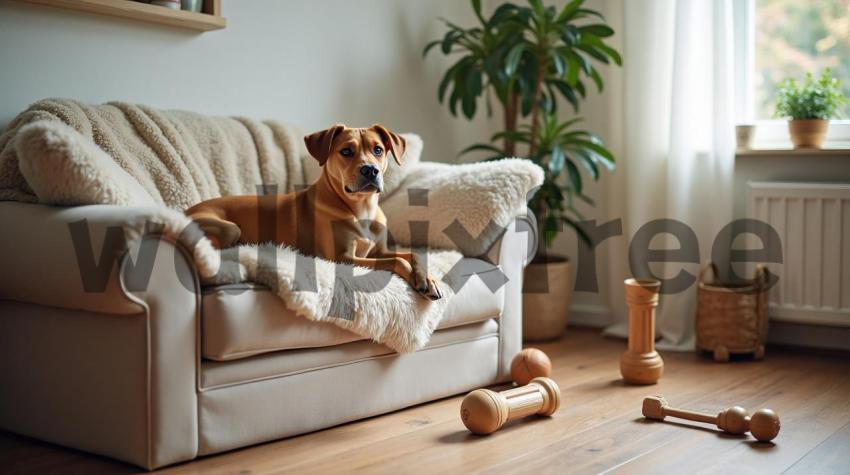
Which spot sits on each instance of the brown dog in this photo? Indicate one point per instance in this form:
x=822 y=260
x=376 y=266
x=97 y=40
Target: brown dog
x=336 y=218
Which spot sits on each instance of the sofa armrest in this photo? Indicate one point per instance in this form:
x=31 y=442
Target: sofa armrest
x=514 y=250
x=141 y=303
x=518 y=241
x=68 y=257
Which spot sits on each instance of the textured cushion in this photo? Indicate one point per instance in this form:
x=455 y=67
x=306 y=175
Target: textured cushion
x=243 y=320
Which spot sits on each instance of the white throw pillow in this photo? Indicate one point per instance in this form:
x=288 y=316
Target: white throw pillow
x=63 y=167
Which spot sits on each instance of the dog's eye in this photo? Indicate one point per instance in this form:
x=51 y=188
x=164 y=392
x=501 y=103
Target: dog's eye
x=378 y=150
x=346 y=152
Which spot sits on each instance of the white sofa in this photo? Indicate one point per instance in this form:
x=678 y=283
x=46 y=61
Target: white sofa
x=165 y=372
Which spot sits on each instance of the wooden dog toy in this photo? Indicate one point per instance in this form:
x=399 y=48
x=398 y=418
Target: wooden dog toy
x=484 y=412
x=528 y=364
x=641 y=364
x=764 y=424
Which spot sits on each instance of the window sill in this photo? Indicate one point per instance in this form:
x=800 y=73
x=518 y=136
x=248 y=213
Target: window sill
x=831 y=151
x=773 y=136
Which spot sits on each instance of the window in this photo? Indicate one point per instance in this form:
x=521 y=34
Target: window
x=793 y=37
x=777 y=39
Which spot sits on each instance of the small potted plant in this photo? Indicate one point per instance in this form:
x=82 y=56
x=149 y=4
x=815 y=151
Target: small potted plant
x=809 y=106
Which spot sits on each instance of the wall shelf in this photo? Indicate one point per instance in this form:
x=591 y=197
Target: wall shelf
x=210 y=19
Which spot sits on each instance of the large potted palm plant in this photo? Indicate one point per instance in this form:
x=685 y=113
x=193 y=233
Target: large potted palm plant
x=530 y=58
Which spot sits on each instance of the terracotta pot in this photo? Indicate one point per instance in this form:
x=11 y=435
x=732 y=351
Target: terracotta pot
x=809 y=133
x=548 y=290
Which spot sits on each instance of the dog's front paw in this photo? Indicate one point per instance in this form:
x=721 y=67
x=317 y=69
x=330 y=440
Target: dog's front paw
x=433 y=292
x=427 y=286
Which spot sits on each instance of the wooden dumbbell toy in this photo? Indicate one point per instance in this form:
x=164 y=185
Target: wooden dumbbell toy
x=763 y=424
x=528 y=364
x=484 y=412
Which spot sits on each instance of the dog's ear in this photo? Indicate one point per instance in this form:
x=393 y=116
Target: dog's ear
x=319 y=143
x=392 y=142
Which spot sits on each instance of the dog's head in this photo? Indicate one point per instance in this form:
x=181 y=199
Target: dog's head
x=356 y=158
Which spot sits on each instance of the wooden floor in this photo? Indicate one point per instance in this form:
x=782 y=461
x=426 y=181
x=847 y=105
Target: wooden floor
x=598 y=429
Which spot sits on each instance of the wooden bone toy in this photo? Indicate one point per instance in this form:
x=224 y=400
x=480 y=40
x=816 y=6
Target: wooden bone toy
x=763 y=424
x=484 y=412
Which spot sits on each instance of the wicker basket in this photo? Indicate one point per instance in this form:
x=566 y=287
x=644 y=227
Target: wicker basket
x=731 y=318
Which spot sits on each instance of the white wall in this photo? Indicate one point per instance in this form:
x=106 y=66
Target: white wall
x=312 y=63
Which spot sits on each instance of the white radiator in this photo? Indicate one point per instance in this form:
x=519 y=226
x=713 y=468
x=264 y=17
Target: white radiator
x=813 y=223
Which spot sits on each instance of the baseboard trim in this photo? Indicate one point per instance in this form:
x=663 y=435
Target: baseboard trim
x=809 y=336
x=781 y=332
x=592 y=316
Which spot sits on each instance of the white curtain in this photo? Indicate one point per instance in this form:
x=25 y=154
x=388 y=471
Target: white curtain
x=675 y=142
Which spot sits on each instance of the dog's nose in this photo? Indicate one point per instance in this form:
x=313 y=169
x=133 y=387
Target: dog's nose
x=369 y=171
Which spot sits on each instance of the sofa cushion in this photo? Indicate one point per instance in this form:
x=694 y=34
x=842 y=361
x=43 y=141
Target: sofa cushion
x=244 y=320
x=217 y=374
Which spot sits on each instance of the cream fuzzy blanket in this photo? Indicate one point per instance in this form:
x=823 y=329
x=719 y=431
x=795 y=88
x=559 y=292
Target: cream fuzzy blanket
x=68 y=153
x=178 y=158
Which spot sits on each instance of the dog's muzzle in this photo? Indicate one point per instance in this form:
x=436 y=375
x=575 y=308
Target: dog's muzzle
x=369 y=180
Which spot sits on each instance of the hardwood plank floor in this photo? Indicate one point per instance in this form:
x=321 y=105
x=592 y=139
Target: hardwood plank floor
x=598 y=429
